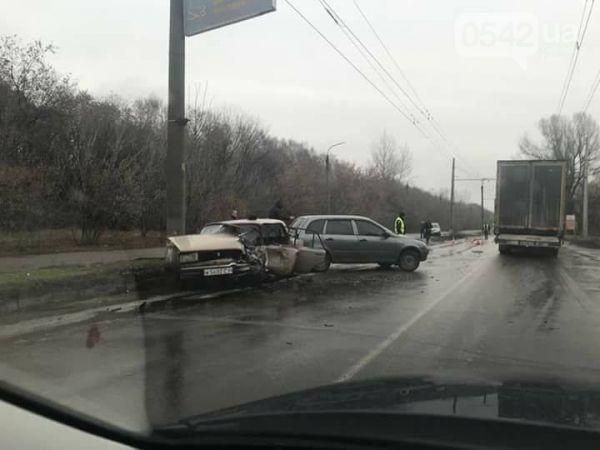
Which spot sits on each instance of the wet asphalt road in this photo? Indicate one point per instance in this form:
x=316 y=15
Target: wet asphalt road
x=466 y=312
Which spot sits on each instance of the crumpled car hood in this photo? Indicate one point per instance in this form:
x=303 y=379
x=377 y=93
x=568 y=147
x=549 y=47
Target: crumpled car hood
x=208 y=242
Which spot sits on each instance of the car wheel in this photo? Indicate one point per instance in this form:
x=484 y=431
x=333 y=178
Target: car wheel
x=409 y=260
x=324 y=267
x=503 y=249
x=384 y=265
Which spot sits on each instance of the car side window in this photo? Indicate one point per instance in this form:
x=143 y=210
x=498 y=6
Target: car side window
x=298 y=223
x=340 y=227
x=274 y=234
x=316 y=226
x=366 y=228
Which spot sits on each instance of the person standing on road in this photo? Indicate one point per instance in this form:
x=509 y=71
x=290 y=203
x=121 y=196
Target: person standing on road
x=399 y=225
x=427 y=231
x=277 y=212
x=486 y=231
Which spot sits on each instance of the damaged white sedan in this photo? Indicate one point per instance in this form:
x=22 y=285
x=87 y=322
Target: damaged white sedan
x=240 y=248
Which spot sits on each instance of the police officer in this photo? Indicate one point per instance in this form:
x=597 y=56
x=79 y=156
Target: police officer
x=399 y=225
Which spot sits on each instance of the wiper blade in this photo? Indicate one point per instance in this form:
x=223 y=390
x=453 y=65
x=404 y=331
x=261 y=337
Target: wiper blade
x=386 y=428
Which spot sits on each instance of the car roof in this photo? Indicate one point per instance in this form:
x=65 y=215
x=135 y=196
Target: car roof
x=335 y=216
x=249 y=222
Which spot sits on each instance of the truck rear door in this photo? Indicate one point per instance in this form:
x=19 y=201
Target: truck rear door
x=513 y=195
x=546 y=197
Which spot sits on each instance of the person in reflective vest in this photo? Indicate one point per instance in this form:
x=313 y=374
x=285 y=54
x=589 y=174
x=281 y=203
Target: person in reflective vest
x=399 y=227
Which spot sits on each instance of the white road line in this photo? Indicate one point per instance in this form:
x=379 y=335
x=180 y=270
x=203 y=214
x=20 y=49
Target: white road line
x=379 y=348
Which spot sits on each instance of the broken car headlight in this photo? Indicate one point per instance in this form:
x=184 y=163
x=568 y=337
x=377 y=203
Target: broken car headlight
x=188 y=257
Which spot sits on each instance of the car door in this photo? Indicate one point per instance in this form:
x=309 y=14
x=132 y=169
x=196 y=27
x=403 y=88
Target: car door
x=313 y=234
x=311 y=254
x=375 y=243
x=340 y=240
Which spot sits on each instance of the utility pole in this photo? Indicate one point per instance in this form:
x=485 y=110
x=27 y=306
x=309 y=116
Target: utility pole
x=482 y=180
x=175 y=163
x=452 y=202
x=584 y=219
x=327 y=183
x=482 y=219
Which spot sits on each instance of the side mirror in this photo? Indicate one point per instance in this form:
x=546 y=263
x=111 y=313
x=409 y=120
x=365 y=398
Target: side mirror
x=385 y=235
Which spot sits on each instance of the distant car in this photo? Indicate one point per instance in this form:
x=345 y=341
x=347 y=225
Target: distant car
x=238 y=248
x=435 y=229
x=357 y=239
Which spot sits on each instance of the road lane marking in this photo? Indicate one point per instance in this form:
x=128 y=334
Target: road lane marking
x=393 y=337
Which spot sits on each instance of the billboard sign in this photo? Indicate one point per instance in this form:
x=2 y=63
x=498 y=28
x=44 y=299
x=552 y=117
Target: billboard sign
x=204 y=15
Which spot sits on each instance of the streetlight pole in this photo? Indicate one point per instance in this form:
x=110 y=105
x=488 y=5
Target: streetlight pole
x=327 y=169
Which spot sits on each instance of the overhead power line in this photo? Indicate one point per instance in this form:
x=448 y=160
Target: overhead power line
x=342 y=24
x=419 y=104
x=576 y=50
x=336 y=19
x=593 y=90
x=367 y=53
x=364 y=53
x=389 y=53
x=355 y=67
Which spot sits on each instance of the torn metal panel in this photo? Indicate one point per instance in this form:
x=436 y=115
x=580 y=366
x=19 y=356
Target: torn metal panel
x=280 y=260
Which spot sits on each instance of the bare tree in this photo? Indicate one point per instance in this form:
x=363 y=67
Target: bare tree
x=570 y=140
x=99 y=170
x=68 y=159
x=148 y=120
x=390 y=161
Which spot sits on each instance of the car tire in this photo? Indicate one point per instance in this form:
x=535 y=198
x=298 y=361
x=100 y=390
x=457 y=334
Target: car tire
x=385 y=266
x=503 y=249
x=324 y=267
x=409 y=260
x=554 y=252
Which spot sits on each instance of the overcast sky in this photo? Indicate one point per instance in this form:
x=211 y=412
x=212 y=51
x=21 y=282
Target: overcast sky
x=487 y=71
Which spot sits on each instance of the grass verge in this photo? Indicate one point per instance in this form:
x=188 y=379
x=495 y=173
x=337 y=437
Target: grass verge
x=60 y=285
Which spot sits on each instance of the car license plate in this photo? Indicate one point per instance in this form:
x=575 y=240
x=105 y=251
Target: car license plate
x=218 y=271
